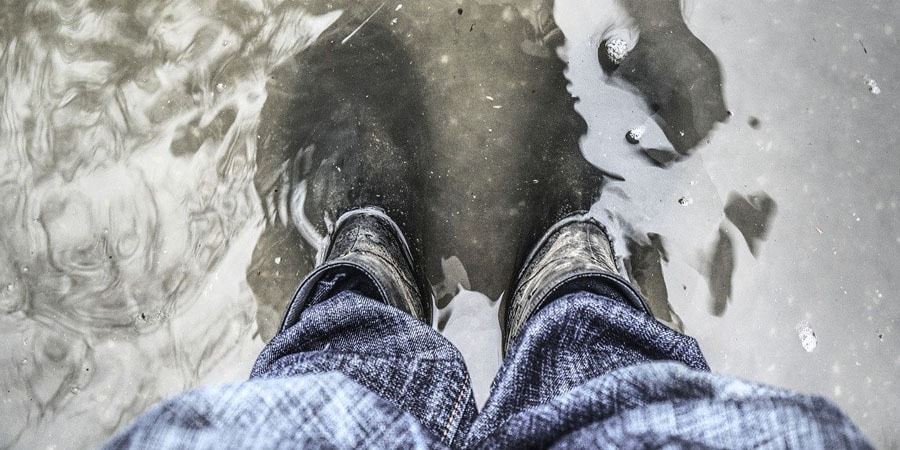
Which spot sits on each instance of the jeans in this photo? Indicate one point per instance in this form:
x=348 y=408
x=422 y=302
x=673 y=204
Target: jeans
x=588 y=370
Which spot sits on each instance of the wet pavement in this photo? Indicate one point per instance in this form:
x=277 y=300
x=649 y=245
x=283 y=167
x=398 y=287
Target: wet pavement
x=171 y=166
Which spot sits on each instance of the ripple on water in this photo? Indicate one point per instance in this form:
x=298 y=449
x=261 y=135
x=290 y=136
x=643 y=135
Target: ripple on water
x=126 y=187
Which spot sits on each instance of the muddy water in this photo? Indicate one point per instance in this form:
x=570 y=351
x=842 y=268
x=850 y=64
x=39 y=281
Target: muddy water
x=152 y=178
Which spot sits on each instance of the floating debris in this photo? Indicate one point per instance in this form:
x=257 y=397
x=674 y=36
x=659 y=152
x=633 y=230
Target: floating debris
x=807 y=336
x=616 y=50
x=635 y=134
x=356 y=30
x=873 y=85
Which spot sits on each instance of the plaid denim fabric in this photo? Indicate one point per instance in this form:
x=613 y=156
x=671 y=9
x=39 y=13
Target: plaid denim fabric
x=588 y=370
x=307 y=411
x=591 y=371
x=389 y=352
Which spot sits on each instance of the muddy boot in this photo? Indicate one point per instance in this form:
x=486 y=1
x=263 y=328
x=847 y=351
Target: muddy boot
x=573 y=255
x=366 y=241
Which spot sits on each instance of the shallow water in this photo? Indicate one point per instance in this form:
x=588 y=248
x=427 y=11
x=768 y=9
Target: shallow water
x=151 y=181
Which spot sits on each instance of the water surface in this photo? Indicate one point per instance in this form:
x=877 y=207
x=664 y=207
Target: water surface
x=150 y=191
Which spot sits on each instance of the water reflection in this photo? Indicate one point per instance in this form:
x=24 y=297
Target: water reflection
x=489 y=135
x=659 y=98
x=141 y=166
x=677 y=74
x=475 y=97
x=752 y=216
x=129 y=137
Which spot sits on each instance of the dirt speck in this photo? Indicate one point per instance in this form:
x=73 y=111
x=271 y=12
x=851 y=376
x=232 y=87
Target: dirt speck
x=872 y=84
x=634 y=135
x=807 y=337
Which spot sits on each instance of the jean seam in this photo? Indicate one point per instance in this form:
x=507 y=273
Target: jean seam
x=448 y=424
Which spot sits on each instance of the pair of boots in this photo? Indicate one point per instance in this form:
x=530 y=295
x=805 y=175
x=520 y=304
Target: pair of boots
x=574 y=254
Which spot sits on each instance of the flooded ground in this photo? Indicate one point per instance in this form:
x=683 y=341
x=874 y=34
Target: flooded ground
x=169 y=167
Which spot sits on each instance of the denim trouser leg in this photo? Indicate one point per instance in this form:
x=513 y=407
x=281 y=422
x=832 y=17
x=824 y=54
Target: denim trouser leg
x=389 y=352
x=588 y=370
x=352 y=372
x=591 y=370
